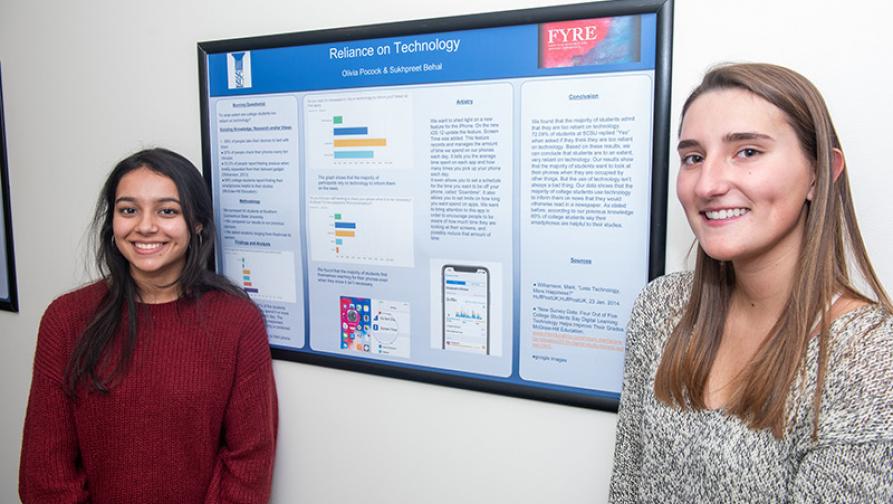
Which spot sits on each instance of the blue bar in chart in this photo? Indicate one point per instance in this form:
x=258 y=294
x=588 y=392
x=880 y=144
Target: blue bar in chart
x=354 y=154
x=351 y=131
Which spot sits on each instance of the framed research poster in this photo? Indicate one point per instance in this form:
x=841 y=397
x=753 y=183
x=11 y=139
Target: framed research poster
x=472 y=201
x=8 y=292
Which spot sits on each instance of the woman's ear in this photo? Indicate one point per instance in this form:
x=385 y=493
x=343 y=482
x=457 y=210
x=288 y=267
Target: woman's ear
x=837 y=163
x=837 y=166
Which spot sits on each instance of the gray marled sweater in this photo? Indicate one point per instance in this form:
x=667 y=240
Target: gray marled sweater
x=664 y=454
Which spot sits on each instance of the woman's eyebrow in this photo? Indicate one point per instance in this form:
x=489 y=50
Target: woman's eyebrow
x=131 y=199
x=685 y=144
x=728 y=138
x=746 y=135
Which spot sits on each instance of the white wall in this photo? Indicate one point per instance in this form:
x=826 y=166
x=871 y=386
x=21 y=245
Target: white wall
x=88 y=81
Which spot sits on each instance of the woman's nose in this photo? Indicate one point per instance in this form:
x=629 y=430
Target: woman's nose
x=147 y=224
x=713 y=179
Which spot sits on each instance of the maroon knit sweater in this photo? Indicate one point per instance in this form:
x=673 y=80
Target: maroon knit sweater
x=193 y=420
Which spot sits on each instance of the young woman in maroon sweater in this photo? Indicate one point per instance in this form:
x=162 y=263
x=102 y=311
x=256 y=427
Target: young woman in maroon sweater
x=154 y=384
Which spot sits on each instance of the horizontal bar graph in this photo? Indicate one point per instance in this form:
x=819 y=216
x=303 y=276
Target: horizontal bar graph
x=343 y=229
x=359 y=131
x=247 y=285
x=361 y=230
x=264 y=274
x=340 y=143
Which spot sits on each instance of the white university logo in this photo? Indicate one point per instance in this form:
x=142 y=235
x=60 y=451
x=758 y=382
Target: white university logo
x=238 y=70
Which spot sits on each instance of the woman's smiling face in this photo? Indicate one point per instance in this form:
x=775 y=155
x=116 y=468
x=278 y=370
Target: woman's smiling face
x=743 y=180
x=149 y=228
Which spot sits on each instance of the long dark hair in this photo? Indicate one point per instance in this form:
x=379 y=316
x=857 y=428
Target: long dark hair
x=832 y=249
x=90 y=359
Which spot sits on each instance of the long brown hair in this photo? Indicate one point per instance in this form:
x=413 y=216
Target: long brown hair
x=92 y=352
x=831 y=236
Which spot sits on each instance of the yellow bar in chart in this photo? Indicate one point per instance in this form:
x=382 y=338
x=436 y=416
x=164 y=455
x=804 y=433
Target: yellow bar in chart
x=349 y=234
x=360 y=142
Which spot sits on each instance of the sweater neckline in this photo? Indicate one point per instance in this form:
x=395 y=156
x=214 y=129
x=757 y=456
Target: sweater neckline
x=166 y=307
x=140 y=303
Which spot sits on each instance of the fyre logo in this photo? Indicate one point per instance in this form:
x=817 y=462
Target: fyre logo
x=238 y=70
x=576 y=34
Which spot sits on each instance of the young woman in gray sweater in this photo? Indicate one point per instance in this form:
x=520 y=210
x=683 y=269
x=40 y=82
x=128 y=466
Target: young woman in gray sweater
x=766 y=375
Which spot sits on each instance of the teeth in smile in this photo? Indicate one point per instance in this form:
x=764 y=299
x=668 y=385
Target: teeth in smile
x=725 y=213
x=147 y=246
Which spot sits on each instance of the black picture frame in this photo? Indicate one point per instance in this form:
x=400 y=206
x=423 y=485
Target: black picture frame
x=663 y=9
x=10 y=302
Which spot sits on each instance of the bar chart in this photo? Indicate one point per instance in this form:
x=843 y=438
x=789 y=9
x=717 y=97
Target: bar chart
x=264 y=275
x=362 y=130
x=361 y=230
x=343 y=229
x=247 y=284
